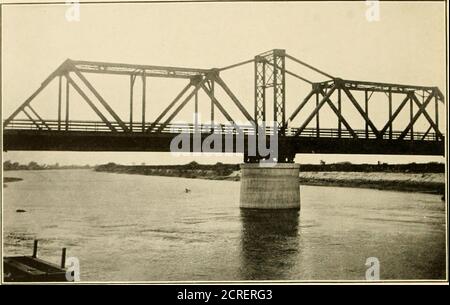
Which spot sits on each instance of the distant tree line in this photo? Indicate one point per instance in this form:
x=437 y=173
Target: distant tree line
x=222 y=169
x=219 y=169
x=8 y=165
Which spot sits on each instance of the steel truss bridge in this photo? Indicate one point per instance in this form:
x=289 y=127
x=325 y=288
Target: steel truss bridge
x=270 y=71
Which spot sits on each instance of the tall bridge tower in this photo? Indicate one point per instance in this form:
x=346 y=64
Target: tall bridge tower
x=271 y=186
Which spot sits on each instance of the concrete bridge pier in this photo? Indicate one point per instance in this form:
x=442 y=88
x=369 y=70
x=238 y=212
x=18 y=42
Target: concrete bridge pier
x=270 y=187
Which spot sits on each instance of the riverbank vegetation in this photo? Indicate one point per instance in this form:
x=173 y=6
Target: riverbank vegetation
x=222 y=169
x=218 y=171
x=11 y=166
x=414 y=177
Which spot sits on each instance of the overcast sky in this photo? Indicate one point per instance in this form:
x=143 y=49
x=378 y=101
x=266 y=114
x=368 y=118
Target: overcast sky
x=407 y=45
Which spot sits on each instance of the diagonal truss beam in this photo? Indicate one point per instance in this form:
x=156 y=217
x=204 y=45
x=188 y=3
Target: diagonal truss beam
x=315 y=111
x=309 y=66
x=339 y=115
x=31 y=118
x=302 y=104
x=236 y=65
x=396 y=113
x=217 y=103
x=287 y=71
x=174 y=101
x=439 y=94
x=426 y=133
x=219 y=80
x=86 y=98
x=422 y=110
x=427 y=116
x=100 y=98
x=38 y=116
x=185 y=101
x=362 y=112
x=32 y=96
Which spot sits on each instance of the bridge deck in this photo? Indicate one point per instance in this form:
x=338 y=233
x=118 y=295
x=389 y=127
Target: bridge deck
x=95 y=136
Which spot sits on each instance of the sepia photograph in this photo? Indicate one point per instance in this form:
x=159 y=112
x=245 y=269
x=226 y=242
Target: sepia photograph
x=224 y=142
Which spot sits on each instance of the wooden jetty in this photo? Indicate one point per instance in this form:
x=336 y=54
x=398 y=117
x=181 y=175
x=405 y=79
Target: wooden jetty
x=33 y=269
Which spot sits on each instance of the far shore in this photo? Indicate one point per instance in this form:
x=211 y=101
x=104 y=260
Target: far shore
x=405 y=180
x=423 y=178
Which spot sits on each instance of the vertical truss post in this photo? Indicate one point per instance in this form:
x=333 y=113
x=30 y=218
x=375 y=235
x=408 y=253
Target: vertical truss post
x=340 y=113
x=436 y=113
x=260 y=99
x=67 y=103
x=196 y=130
x=132 y=79
x=260 y=90
x=411 y=116
x=59 y=101
x=366 y=109
x=270 y=72
x=317 y=116
x=144 y=87
x=279 y=89
x=390 y=113
x=212 y=105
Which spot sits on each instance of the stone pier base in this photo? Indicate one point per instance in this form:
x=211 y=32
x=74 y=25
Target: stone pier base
x=276 y=187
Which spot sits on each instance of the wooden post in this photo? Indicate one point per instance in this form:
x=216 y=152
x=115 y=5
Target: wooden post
x=63 y=258
x=35 y=248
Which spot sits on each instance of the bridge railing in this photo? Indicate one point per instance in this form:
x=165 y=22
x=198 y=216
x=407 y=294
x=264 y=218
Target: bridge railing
x=362 y=134
x=96 y=126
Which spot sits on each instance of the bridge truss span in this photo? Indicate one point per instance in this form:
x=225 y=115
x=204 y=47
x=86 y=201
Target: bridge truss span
x=300 y=130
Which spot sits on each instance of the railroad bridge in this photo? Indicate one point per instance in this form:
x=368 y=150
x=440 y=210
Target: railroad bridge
x=27 y=129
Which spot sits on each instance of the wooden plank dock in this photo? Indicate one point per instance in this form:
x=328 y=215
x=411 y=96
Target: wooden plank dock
x=33 y=269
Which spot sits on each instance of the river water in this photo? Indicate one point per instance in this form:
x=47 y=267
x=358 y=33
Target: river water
x=147 y=228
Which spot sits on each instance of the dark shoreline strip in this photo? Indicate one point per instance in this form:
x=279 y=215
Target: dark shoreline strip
x=11 y=179
x=213 y=174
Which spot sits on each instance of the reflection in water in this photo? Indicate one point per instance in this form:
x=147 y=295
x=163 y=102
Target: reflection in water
x=269 y=243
